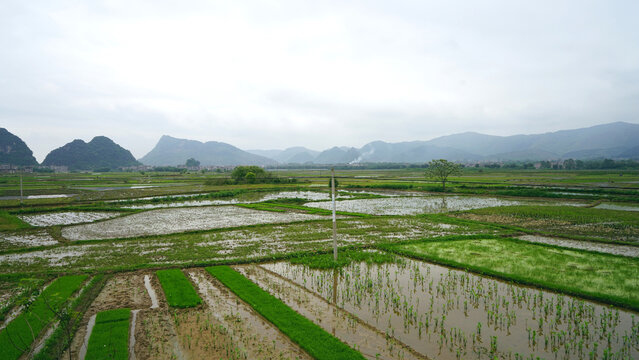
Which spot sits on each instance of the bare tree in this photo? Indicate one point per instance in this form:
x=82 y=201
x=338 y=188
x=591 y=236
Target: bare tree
x=441 y=169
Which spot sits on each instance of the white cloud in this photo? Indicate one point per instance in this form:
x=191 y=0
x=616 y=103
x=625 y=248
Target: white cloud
x=284 y=73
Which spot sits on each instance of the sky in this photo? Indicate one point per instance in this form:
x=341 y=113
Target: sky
x=275 y=74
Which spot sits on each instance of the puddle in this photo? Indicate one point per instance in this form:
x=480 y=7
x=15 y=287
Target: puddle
x=151 y=292
x=449 y=314
x=167 y=221
x=624 y=250
x=39 y=345
x=85 y=344
x=66 y=218
x=617 y=207
x=134 y=316
x=252 y=335
x=414 y=205
x=371 y=343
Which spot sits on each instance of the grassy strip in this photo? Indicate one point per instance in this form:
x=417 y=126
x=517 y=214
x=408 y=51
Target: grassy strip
x=10 y=222
x=18 y=336
x=310 y=337
x=178 y=289
x=61 y=338
x=110 y=336
x=344 y=258
x=597 y=276
x=279 y=207
x=573 y=214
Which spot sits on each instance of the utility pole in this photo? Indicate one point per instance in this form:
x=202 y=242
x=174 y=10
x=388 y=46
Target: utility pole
x=334 y=217
x=20 y=188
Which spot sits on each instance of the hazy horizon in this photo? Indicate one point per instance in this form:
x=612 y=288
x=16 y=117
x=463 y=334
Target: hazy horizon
x=291 y=73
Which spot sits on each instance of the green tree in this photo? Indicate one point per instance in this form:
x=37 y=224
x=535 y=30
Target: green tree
x=250 y=177
x=192 y=163
x=240 y=172
x=441 y=169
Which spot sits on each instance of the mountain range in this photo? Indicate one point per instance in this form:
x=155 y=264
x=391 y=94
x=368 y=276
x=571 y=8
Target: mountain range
x=614 y=140
x=618 y=140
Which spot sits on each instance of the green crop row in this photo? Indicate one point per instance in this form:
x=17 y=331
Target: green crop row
x=310 y=337
x=178 y=289
x=19 y=335
x=110 y=336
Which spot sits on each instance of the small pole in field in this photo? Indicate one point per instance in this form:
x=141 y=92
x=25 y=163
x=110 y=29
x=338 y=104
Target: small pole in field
x=334 y=218
x=20 y=188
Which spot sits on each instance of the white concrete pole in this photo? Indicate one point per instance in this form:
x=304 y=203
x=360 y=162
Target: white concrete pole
x=334 y=217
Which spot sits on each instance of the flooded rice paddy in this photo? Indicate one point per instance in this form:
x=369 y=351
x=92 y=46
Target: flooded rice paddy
x=168 y=221
x=624 y=250
x=449 y=314
x=247 y=198
x=66 y=217
x=617 y=207
x=414 y=205
x=26 y=239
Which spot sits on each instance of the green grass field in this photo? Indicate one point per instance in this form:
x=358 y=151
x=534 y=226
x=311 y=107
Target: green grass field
x=310 y=337
x=178 y=289
x=18 y=336
x=608 y=278
x=11 y=222
x=110 y=336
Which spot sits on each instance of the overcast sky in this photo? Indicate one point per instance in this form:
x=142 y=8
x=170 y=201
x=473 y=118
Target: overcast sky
x=274 y=74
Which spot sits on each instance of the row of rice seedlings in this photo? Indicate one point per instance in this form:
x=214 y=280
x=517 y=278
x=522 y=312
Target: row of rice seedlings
x=178 y=289
x=110 y=336
x=39 y=311
x=460 y=314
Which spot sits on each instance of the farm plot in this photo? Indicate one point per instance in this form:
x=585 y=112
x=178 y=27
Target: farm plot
x=225 y=245
x=66 y=217
x=16 y=240
x=601 y=224
x=317 y=342
x=245 y=198
x=449 y=314
x=167 y=221
x=414 y=205
x=110 y=336
x=623 y=250
x=178 y=290
x=19 y=335
x=600 y=276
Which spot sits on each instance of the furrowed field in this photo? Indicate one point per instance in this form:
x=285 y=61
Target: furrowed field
x=520 y=264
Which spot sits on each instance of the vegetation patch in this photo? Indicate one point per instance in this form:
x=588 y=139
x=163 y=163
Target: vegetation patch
x=615 y=225
x=604 y=277
x=317 y=342
x=344 y=258
x=11 y=222
x=110 y=336
x=178 y=289
x=19 y=335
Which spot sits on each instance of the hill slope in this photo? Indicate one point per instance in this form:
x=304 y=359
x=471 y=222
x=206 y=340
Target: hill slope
x=172 y=151
x=14 y=151
x=101 y=152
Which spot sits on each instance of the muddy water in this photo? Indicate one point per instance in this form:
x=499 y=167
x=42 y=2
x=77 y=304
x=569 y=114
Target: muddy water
x=371 y=343
x=617 y=207
x=251 y=335
x=134 y=317
x=82 y=354
x=450 y=314
x=151 y=292
x=66 y=217
x=632 y=251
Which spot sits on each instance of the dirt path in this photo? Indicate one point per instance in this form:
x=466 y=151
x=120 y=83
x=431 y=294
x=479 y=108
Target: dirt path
x=343 y=325
x=250 y=334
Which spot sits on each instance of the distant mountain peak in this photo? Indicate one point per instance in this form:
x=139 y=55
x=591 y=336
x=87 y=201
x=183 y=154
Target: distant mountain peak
x=100 y=152
x=14 y=151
